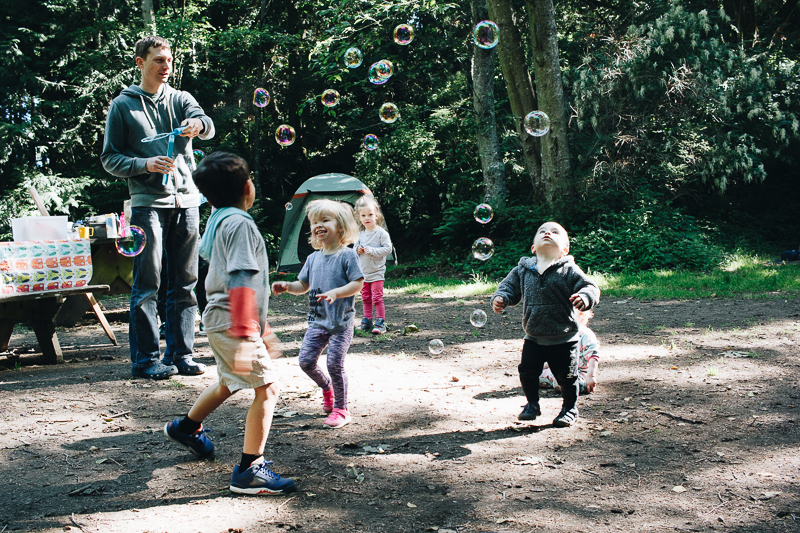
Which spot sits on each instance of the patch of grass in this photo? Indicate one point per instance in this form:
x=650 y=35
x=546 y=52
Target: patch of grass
x=452 y=287
x=689 y=324
x=476 y=333
x=712 y=371
x=177 y=384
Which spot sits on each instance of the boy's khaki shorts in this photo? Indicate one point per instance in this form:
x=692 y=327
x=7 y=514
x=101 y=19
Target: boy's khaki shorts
x=224 y=346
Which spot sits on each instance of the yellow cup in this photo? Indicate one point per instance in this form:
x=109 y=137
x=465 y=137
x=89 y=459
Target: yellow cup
x=85 y=232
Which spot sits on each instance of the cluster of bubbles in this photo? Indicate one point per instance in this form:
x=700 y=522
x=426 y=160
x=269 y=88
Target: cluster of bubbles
x=389 y=113
x=537 y=123
x=436 y=346
x=486 y=34
x=403 y=34
x=381 y=71
x=330 y=98
x=370 y=141
x=260 y=97
x=285 y=135
x=132 y=244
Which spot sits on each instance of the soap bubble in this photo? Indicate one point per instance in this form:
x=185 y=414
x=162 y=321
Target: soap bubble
x=260 y=97
x=435 y=346
x=403 y=34
x=478 y=318
x=330 y=98
x=381 y=71
x=483 y=249
x=537 y=123
x=284 y=135
x=483 y=213
x=486 y=34
x=353 y=57
x=389 y=113
x=197 y=156
x=288 y=206
x=370 y=141
x=133 y=244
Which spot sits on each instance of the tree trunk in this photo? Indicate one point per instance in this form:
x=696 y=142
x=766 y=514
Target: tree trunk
x=557 y=180
x=743 y=17
x=483 y=63
x=519 y=85
x=148 y=17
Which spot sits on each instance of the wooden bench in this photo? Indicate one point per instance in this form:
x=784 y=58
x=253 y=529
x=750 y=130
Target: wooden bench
x=40 y=309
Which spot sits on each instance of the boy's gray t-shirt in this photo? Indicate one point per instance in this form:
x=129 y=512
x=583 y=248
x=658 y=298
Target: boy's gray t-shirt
x=238 y=246
x=323 y=272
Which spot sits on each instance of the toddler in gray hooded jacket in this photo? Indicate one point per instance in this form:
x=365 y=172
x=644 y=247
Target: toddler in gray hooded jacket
x=553 y=289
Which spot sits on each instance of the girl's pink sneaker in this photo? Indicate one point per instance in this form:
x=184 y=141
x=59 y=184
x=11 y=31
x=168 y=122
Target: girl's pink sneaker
x=337 y=418
x=327 y=400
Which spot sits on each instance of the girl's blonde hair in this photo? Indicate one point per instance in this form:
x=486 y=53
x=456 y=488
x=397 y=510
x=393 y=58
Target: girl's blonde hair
x=339 y=211
x=368 y=201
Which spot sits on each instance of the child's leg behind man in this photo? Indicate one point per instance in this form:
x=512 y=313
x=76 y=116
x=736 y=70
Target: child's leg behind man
x=563 y=362
x=334 y=388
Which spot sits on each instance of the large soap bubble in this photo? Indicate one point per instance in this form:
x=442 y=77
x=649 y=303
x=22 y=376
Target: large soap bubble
x=132 y=244
x=478 y=318
x=381 y=71
x=483 y=213
x=486 y=34
x=483 y=248
x=260 y=97
x=436 y=346
x=537 y=123
x=389 y=113
x=353 y=57
x=403 y=34
x=370 y=141
x=330 y=98
x=285 y=135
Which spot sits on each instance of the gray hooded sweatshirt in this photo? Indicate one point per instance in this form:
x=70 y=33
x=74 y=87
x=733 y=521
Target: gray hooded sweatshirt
x=548 y=317
x=134 y=115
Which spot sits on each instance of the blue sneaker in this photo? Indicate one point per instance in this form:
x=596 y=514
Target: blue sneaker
x=380 y=327
x=155 y=371
x=260 y=480
x=529 y=412
x=197 y=443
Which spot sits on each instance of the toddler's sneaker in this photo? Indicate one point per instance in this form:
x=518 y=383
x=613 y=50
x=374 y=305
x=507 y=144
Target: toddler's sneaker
x=337 y=418
x=380 y=327
x=162 y=331
x=201 y=330
x=366 y=324
x=529 y=412
x=566 y=417
x=327 y=400
x=197 y=443
x=260 y=480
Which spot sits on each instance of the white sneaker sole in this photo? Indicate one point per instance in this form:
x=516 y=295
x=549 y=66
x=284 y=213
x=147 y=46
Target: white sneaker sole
x=255 y=491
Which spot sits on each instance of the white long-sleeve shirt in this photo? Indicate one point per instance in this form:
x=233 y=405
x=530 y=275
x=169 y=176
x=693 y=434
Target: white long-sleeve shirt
x=378 y=245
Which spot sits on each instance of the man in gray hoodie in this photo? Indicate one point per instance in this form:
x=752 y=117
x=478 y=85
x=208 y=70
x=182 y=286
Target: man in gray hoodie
x=164 y=203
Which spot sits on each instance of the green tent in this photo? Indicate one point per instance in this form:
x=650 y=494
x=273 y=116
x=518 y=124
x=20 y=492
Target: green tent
x=294 y=237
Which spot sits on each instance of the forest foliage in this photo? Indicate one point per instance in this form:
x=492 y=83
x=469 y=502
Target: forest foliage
x=683 y=128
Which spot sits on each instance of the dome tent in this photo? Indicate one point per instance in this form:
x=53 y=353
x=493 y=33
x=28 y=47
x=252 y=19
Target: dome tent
x=294 y=237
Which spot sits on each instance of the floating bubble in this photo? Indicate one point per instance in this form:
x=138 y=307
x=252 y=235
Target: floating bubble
x=478 y=318
x=353 y=57
x=436 y=346
x=197 y=157
x=486 y=34
x=483 y=213
x=370 y=141
x=260 y=97
x=483 y=249
x=389 y=113
x=330 y=98
x=403 y=34
x=537 y=123
x=288 y=206
x=133 y=244
x=284 y=135
x=381 y=71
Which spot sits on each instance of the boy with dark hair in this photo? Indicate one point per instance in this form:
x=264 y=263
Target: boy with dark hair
x=236 y=323
x=553 y=289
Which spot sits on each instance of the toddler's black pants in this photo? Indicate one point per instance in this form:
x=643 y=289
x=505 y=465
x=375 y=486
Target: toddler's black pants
x=563 y=361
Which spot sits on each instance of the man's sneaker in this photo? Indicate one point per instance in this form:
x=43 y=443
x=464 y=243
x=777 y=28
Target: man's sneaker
x=366 y=324
x=529 y=412
x=155 y=371
x=566 y=418
x=337 y=418
x=380 y=327
x=260 y=480
x=196 y=442
x=327 y=400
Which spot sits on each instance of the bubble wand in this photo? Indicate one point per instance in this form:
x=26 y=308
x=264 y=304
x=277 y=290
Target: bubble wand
x=170 y=145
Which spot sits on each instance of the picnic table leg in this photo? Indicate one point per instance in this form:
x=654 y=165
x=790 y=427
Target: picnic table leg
x=101 y=317
x=6 y=328
x=48 y=340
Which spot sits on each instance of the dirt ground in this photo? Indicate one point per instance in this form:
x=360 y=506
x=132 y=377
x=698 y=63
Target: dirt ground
x=694 y=427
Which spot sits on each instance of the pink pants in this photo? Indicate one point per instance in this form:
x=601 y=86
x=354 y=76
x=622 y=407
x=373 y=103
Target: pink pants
x=372 y=295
